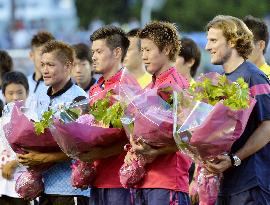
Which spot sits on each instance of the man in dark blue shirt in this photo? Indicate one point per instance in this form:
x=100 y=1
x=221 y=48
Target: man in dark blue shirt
x=247 y=168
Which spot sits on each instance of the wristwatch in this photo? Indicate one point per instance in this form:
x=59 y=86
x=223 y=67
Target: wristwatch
x=236 y=161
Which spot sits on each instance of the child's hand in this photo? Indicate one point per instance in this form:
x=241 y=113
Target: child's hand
x=8 y=169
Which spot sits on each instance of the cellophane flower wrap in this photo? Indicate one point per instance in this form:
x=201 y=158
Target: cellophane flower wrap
x=208 y=119
x=148 y=117
x=19 y=129
x=96 y=124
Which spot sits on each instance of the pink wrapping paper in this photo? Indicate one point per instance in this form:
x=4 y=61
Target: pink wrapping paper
x=76 y=138
x=151 y=120
x=29 y=185
x=150 y=109
x=221 y=128
x=82 y=174
x=211 y=133
x=20 y=133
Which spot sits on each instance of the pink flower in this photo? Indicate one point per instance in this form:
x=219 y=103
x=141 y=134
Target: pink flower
x=86 y=119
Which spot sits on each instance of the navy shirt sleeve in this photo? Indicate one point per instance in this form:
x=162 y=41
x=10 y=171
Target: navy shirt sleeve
x=260 y=89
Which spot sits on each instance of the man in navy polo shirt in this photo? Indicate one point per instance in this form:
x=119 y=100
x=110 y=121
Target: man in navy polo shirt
x=246 y=170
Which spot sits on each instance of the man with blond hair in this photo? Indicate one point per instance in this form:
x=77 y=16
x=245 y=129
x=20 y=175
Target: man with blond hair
x=246 y=169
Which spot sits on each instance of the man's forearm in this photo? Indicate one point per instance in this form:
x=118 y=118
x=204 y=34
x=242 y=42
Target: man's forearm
x=256 y=141
x=115 y=149
x=167 y=150
x=56 y=157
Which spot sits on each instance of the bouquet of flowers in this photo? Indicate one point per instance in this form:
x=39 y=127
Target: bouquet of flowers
x=91 y=123
x=208 y=120
x=147 y=117
x=24 y=137
x=81 y=126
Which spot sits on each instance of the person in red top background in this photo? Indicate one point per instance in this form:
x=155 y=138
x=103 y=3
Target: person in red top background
x=166 y=181
x=109 y=47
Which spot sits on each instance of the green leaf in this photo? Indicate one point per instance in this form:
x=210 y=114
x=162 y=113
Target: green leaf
x=109 y=115
x=44 y=123
x=234 y=94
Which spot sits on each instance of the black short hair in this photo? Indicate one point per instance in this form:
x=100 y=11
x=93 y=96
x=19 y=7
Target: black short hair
x=190 y=50
x=15 y=77
x=113 y=36
x=6 y=63
x=1 y=107
x=83 y=52
x=134 y=33
x=258 y=28
x=41 y=38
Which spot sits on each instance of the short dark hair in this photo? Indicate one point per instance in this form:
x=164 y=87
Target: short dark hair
x=6 y=63
x=113 y=36
x=83 y=52
x=63 y=51
x=133 y=33
x=190 y=50
x=1 y=107
x=15 y=77
x=41 y=38
x=162 y=34
x=258 y=28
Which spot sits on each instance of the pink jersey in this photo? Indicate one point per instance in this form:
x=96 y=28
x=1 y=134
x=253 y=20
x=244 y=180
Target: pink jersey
x=108 y=168
x=168 y=171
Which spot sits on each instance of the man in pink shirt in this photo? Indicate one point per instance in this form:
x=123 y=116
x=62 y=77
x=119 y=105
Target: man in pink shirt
x=109 y=47
x=166 y=181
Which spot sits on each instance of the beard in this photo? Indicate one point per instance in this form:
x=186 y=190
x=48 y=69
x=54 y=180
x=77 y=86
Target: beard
x=223 y=59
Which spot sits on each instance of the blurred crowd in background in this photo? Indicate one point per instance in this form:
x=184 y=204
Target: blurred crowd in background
x=73 y=21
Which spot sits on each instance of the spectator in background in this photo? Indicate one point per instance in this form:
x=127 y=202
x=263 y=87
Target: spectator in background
x=14 y=87
x=187 y=63
x=82 y=71
x=1 y=107
x=37 y=88
x=133 y=60
x=260 y=40
x=6 y=65
x=188 y=59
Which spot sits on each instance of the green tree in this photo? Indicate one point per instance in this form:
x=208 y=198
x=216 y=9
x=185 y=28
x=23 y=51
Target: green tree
x=192 y=15
x=189 y=15
x=106 y=10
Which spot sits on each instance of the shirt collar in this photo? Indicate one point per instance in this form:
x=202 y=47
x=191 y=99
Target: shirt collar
x=33 y=77
x=111 y=81
x=162 y=76
x=92 y=82
x=61 y=91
